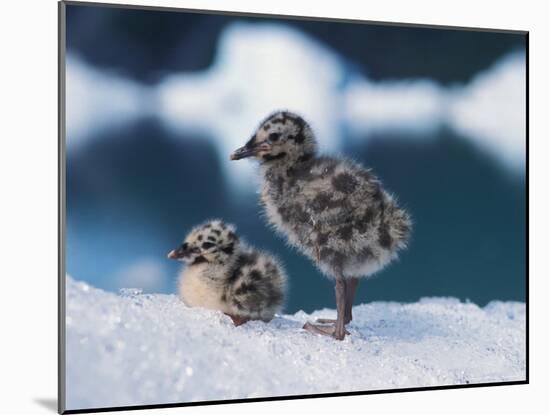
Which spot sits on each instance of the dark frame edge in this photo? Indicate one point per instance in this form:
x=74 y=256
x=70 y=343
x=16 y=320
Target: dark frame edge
x=293 y=397
x=527 y=206
x=61 y=363
x=290 y=17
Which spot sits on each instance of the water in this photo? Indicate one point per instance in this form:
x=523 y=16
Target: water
x=128 y=205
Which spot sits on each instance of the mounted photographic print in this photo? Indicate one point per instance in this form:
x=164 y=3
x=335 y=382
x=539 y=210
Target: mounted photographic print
x=259 y=207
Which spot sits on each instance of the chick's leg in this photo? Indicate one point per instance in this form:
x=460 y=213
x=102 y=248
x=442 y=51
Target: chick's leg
x=351 y=287
x=337 y=327
x=341 y=304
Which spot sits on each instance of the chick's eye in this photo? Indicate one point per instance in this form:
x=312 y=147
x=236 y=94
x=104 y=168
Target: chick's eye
x=207 y=245
x=274 y=136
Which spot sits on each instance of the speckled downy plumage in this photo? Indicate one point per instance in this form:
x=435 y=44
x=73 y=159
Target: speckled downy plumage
x=331 y=209
x=223 y=273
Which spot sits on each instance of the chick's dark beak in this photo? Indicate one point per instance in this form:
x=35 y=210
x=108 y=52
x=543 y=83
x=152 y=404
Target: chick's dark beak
x=179 y=252
x=243 y=152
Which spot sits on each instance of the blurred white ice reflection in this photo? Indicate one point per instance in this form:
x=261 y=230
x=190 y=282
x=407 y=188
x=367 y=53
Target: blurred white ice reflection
x=262 y=67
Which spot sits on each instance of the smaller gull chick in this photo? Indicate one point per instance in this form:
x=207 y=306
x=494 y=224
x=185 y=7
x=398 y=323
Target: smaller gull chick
x=222 y=273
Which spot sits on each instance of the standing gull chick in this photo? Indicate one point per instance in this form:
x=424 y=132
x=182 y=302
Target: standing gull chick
x=224 y=274
x=331 y=209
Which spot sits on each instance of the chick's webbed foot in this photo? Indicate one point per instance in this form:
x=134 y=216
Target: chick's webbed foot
x=323 y=329
x=331 y=320
x=238 y=320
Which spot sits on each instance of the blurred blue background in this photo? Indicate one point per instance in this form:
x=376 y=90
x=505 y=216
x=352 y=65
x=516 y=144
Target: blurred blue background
x=157 y=100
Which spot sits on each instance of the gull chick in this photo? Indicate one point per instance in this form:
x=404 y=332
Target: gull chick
x=331 y=209
x=223 y=273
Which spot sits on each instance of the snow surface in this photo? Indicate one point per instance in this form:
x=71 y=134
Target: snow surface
x=134 y=348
